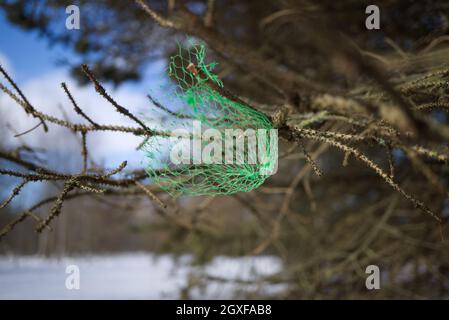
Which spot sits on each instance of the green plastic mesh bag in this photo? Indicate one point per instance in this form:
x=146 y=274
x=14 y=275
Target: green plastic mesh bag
x=199 y=104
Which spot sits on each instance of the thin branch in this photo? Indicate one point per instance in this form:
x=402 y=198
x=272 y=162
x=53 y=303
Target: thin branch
x=309 y=159
x=81 y=127
x=84 y=152
x=357 y=154
x=209 y=16
x=75 y=105
x=27 y=105
x=163 y=22
x=165 y=109
x=10 y=226
x=171 y=5
x=100 y=89
x=56 y=209
x=151 y=195
x=28 y=131
x=14 y=193
x=115 y=171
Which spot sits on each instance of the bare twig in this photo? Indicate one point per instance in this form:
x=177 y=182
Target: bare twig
x=75 y=105
x=56 y=209
x=209 y=16
x=151 y=195
x=15 y=192
x=27 y=105
x=84 y=152
x=99 y=88
x=164 y=22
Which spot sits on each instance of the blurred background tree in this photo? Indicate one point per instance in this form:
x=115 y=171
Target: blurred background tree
x=381 y=94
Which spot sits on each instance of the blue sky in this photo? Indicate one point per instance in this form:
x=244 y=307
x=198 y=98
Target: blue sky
x=30 y=54
x=32 y=62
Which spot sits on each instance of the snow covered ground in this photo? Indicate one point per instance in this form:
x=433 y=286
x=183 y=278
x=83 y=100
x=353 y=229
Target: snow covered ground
x=130 y=276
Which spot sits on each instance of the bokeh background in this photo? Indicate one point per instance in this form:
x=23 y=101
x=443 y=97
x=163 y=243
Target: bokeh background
x=334 y=225
x=121 y=247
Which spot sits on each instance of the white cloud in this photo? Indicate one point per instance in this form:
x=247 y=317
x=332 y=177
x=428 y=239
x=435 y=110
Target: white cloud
x=46 y=95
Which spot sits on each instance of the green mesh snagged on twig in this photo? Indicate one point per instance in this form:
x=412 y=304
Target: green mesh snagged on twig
x=199 y=98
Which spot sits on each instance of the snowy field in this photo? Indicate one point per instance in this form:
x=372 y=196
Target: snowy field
x=131 y=276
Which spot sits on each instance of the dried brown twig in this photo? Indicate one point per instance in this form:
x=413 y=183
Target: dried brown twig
x=89 y=183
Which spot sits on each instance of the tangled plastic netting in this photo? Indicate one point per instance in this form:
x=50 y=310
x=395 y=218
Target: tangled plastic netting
x=197 y=99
